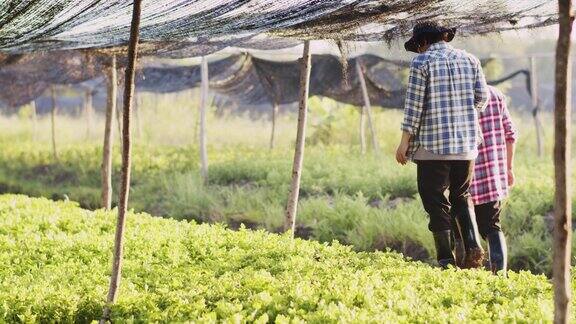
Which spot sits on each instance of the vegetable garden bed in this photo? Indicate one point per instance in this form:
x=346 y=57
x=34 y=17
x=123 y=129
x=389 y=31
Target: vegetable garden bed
x=56 y=259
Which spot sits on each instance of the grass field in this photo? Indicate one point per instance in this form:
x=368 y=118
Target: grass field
x=368 y=202
x=56 y=263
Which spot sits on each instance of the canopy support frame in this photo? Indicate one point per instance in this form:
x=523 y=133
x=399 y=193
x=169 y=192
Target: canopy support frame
x=126 y=161
x=562 y=167
x=292 y=204
x=536 y=107
x=112 y=87
x=53 y=122
x=203 y=103
x=367 y=110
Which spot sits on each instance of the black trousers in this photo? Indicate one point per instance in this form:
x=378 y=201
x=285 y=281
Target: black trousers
x=435 y=180
x=488 y=217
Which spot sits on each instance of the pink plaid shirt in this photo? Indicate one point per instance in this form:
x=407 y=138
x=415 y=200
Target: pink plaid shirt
x=490 y=181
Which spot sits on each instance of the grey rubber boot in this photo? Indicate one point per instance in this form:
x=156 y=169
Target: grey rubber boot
x=498 y=252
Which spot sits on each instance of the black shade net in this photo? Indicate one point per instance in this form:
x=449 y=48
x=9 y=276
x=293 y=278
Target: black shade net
x=238 y=80
x=242 y=79
x=183 y=28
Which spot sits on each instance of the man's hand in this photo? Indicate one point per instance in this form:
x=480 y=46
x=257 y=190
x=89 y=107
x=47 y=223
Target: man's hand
x=401 y=153
x=511 y=178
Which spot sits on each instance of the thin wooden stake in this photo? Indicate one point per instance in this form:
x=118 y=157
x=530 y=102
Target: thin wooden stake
x=562 y=167
x=292 y=205
x=536 y=106
x=126 y=162
x=367 y=107
x=363 y=129
x=34 y=120
x=53 y=122
x=362 y=111
x=273 y=130
x=137 y=116
x=196 y=117
x=203 y=103
x=88 y=111
x=118 y=119
x=112 y=87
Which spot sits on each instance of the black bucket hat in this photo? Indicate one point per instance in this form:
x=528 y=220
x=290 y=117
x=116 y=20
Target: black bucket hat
x=427 y=27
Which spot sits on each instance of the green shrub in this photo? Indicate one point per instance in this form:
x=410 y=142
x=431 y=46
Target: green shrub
x=56 y=263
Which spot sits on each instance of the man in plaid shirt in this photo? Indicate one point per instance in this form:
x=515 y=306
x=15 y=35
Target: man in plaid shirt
x=446 y=92
x=493 y=175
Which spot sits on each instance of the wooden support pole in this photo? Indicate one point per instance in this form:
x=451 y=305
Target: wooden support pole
x=118 y=119
x=34 y=117
x=112 y=87
x=137 y=116
x=562 y=167
x=367 y=107
x=292 y=205
x=88 y=111
x=363 y=129
x=126 y=161
x=203 y=104
x=196 y=113
x=536 y=106
x=53 y=122
x=274 y=118
x=362 y=111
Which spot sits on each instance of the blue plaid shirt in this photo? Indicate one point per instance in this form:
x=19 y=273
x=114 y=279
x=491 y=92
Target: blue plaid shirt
x=446 y=91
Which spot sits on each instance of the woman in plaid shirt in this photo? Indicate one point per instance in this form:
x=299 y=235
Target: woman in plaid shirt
x=493 y=176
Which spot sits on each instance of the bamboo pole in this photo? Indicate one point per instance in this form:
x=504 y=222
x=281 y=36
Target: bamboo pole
x=203 y=103
x=118 y=119
x=367 y=107
x=536 y=106
x=126 y=161
x=34 y=120
x=274 y=118
x=363 y=129
x=53 y=122
x=137 y=115
x=292 y=205
x=196 y=118
x=562 y=167
x=112 y=87
x=88 y=112
x=362 y=112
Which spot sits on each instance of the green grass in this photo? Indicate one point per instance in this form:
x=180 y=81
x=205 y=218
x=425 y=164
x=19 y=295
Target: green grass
x=56 y=260
x=363 y=201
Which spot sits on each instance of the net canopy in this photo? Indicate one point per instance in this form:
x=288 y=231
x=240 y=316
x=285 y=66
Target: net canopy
x=238 y=80
x=242 y=79
x=247 y=80
x=25 y=77
x=181 y=28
